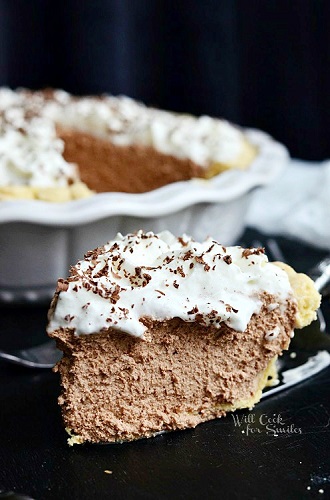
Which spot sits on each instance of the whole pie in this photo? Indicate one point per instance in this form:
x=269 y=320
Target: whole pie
x=57 y=147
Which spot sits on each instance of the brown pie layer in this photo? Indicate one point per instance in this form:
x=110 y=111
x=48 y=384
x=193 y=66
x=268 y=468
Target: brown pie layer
x=106 y=167
x=117 y=387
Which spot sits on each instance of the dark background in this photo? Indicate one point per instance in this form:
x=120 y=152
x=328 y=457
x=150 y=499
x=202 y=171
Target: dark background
x=260 y=63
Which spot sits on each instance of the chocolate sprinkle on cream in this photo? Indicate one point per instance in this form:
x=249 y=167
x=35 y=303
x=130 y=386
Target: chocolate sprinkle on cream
x=130 y=279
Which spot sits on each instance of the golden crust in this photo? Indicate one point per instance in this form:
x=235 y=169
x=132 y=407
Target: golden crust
x=16 y=193
x=242 y=162
x=76 y=191
x=308 y=298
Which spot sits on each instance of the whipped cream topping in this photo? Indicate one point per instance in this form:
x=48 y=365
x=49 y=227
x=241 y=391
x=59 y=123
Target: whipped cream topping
x=31 y=154
x=159 y=276
x=204 y=140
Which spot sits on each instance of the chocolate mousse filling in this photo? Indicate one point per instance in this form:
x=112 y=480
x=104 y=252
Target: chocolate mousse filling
x=105 y=167
x=117 y=387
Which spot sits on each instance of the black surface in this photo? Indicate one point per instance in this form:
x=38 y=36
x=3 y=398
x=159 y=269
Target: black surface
x=215 y=460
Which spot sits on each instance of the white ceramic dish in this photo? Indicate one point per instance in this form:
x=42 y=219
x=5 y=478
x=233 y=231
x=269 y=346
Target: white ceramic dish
x=39 y=240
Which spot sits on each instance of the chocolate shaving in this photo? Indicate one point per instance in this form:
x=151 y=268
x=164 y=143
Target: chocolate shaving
x=68 y=317
x=62 y=285
x=180 y=271
x=252 y=251
x=115 y=295
x=194 y=310
x=103 y=272
x=187 y=255
x=183 y=243
x=210 y=248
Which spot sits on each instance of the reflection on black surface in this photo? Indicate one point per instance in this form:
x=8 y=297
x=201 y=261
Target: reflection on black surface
x=22 y=326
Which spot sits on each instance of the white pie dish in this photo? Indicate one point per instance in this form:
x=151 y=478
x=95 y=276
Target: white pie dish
x=40 y=240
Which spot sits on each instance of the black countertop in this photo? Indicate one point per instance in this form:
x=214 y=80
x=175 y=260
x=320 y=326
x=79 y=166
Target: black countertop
x=218 y=459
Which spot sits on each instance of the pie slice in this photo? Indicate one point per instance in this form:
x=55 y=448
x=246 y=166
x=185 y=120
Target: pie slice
x=160 y=333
